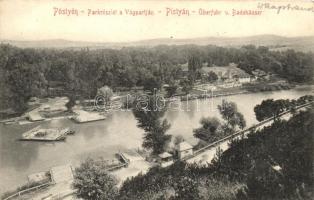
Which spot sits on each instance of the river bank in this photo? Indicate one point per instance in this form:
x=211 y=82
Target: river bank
x=119 y=132
x=256 y=88
x=194 y=94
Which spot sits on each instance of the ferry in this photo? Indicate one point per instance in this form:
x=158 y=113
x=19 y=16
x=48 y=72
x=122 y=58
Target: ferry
x=42 y=134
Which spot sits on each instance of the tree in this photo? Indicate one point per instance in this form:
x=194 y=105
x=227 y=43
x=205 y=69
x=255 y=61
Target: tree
x=210 y=130
x=171 y=90
x=178 y=139
x=148 y=109
x=152 y=83
x=194 y=64
x=106 y=93
x=186 y=188
x=270 y=108
x=70 y=103
x=25 y=80
x=263 y=110
x=232 y=117
x=157 y=139
x=186 y=85
x=92 y=181
x=148 y=112
x=263 y=181
x=212 y=77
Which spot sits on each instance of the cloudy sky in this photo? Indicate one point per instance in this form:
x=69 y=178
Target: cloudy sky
x=35 y=20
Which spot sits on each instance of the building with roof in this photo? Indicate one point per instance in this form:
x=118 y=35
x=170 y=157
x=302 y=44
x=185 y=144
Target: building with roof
x=244 y=79
x=184 y=149
x=228 y=76
x=34 y=116
x=165 y=159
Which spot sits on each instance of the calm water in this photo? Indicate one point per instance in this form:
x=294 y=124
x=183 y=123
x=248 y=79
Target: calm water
x=104 y=138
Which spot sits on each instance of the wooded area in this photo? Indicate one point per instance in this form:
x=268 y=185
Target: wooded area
x=77 y=74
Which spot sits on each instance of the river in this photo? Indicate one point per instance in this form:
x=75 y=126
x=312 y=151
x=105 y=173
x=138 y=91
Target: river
x=117 y=133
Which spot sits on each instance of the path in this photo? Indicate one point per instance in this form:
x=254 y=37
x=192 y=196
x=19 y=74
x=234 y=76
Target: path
x=207 y=153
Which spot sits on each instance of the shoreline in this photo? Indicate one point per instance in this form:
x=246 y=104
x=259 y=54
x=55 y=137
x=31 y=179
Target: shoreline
x=221 y=93
x=243 y=91
x=21 y=121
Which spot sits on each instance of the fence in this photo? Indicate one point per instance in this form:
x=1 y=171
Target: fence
x=239 y=133
x=27 y=190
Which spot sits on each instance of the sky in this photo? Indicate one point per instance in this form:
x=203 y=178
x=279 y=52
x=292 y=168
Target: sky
x=37 y=20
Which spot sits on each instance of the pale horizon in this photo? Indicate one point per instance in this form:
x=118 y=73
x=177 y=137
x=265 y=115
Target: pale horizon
x=164 y=38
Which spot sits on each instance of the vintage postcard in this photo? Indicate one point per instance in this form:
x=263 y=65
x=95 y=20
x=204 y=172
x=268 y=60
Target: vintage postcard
x=156 y=100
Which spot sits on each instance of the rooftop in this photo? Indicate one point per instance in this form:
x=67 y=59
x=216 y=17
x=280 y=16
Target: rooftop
x=226 y=71
x=184 y=146
x=165 y=155
x=35 y=116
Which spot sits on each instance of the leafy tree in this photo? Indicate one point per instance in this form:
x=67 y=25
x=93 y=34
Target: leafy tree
x=171 y=90
x=272 y=108
x=106 y=93
x=70 y=103
x=186 y=85
x=25 y=81
x=264 y=110
x=263 y=181
x=210 y=130
x=148 y=112
x=212 y=77
x=185 y=189
x=93 y=182
x=304 y=99
x=232 y=116
x=152 y=83
x=194 y=64
x=178 y=139
x=157 y=140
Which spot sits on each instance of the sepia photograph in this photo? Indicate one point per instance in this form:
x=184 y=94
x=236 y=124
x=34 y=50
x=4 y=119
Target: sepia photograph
x=156 y=100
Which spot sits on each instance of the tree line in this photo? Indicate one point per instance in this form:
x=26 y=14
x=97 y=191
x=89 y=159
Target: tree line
x=30 y=72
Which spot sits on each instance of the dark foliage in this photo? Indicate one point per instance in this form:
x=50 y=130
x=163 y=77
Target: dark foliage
x=93 y=182
x=272 y=108
x=275 y=162
x=37 y=72
x=148 y=110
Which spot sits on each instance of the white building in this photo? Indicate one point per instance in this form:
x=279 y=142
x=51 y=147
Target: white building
x=34 y=116
x=184 y=149
x=244 y=78
x=165 y=159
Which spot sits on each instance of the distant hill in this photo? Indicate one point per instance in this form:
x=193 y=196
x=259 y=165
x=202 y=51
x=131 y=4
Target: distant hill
x=273 y=41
